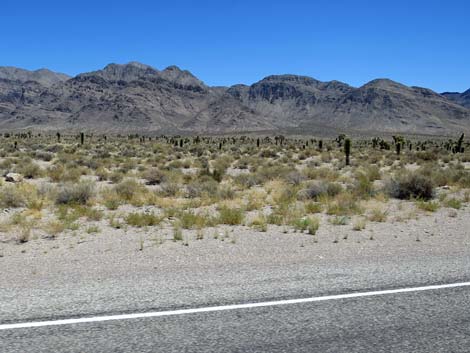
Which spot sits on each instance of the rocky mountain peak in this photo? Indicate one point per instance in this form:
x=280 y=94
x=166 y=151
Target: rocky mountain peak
x=43 y=76
x=123 y=72
x=138 y=97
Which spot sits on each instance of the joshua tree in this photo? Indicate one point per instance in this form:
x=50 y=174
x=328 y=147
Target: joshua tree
x=399 y=142
x=347 y=149
x=82 y=138
x=58 y=137
x=340 y=139
x=458 y=147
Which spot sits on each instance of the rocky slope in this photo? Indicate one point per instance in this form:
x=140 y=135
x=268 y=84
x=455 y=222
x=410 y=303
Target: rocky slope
x=43 y=76
x=139 y=98
x=459 y=98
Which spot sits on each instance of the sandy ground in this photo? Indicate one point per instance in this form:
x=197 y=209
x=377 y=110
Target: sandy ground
x=114 y=249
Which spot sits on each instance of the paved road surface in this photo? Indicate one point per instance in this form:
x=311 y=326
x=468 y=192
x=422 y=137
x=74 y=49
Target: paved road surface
x=430 y=321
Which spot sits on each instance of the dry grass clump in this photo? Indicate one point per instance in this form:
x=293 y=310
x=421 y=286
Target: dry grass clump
x=141 y=219
x=428 y=206
x=191 y=220
x=230 y=216
x=311 y=224
x=344 y=204
x=378 y=215
x=359 y=224
x=259 y=223
x=453 y=203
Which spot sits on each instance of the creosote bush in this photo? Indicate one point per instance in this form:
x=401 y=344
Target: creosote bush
x=411 y=186
x=79 y=194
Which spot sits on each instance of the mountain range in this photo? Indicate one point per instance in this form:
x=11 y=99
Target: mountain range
x=139 y=98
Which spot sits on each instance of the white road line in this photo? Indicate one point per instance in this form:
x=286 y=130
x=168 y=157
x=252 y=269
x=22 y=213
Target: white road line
x=229 y=307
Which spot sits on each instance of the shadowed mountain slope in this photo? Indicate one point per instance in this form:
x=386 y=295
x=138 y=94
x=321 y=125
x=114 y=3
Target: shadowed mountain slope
x=139 y=98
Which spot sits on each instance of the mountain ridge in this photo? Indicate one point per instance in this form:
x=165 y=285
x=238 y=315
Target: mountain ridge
x=136 y=97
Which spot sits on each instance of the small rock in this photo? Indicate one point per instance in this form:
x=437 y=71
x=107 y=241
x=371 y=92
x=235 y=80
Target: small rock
x=13 y=177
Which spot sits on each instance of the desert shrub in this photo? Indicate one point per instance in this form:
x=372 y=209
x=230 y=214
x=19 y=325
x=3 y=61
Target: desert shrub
x=427 y=155
x=111 y=200
x=11 y=197
x=203 y=186
x=319 y=188
x=313 y=207
x=78 y=194
x=58 y=173
x=343 y=205
x=307 y=223
x=410 y=186
x=339 y=220
x=464 y=180
x=116 y=177
x=359 y=224
x=222 y=163
x=454 y=203
x=429 y=206
x=93 y=214
x=30 y=170
x=373 y=172
x=191 y=220
x=129 y=189
x=284 y=194
x=154 y=176
x=313 y=225
x=177 y=232
x=295 y=178
x=268 y=153
x=142 y=219
x=259 y=223
x=170 y=189
x=363 y=186
x=102 y=174
x=226 y=192
x=272 y=172
x=45 y=156
x=378 y=215
x=230 y=216
x=248 y=180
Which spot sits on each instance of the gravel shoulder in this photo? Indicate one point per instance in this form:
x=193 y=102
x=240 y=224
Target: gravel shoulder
x=108 y=272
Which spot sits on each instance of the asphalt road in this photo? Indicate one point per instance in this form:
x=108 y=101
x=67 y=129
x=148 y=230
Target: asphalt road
x=432 y=321
x=429 y=321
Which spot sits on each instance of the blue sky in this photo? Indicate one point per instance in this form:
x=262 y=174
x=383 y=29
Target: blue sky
x=423 y=43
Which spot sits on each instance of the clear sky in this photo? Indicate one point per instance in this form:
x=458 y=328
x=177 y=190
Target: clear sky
x=422 y=43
